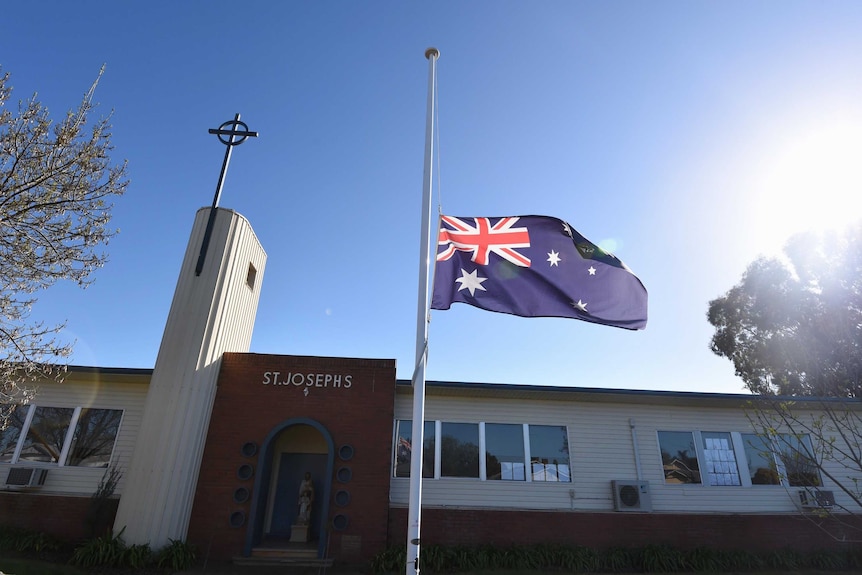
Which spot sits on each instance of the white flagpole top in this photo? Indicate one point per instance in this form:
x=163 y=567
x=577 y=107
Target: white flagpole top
x=432 y=52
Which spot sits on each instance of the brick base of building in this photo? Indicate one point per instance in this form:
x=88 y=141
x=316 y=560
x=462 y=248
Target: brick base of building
x=756 y=533
x=67 y=518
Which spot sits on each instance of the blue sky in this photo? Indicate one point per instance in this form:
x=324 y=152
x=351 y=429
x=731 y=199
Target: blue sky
x=686 y=137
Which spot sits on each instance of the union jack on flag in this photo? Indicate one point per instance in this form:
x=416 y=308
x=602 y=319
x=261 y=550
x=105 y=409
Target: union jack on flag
x=534 y=266
x=482 y=239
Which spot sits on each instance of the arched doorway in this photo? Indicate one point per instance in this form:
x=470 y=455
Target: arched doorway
x=291 y=449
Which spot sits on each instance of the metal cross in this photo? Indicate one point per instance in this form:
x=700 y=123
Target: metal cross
x=235 y=137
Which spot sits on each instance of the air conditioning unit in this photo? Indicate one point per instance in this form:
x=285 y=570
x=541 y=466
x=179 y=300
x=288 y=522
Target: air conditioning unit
x=631 y=495
x=26 y=477
x=816 y=499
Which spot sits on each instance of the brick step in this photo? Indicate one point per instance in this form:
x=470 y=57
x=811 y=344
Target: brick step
x=267 y=561
x=284 y=552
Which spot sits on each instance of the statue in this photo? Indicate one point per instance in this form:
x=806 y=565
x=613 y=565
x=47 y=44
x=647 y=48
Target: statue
x=306 y=499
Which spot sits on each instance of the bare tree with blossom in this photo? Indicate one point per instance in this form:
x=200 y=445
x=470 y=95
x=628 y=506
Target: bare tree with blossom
x=56 y=186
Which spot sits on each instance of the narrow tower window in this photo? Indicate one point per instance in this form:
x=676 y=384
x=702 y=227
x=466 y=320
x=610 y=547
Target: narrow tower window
x=250 y=277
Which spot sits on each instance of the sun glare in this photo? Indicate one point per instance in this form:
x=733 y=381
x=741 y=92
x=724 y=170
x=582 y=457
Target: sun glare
x=814 y=181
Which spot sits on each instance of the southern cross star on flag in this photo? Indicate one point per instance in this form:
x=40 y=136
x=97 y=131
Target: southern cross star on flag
x=534 y=266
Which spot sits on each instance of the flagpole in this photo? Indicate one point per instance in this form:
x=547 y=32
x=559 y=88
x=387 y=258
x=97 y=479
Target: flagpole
x=418 y=439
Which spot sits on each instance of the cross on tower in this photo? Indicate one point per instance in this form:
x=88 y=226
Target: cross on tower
x=235 y=137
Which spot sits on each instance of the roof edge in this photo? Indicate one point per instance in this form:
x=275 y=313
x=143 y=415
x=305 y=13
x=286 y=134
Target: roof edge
x=639 y=393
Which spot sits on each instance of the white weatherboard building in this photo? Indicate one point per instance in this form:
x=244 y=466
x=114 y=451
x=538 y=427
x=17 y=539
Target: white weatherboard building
x=504 y=464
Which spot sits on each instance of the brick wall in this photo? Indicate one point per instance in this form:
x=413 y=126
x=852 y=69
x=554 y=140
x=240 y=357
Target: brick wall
x=603 y=530
x=246 y=410
x=62 y=517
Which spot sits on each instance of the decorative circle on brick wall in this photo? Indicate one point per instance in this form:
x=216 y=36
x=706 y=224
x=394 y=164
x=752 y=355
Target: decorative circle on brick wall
x=345 y=452
x=339 y=522
x=245 y=471
x=240 y=495
x=342 y=498
x=344 y=474
x=249 y=448
x=237 y=519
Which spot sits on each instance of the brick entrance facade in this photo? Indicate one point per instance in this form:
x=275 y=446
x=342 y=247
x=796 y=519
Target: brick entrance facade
x=345 y=404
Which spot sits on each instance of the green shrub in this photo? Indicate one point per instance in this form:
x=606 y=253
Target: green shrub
x=853 y=558
x=99 y=510
x=618 y=559
x=390 y=560
x=38 y=542
x=739 y=561
x=136 y=556
x=661 y=559
x=702 y=559
x=469 y=558
x=485 y=556
x=825 y=561
x=785 y=560
x=178 y=555
x=437 y=559
x=104 y=551
x=9 y=537
x=26 y=540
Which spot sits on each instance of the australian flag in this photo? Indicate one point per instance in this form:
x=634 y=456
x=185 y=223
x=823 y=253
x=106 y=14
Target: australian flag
x=534 y=266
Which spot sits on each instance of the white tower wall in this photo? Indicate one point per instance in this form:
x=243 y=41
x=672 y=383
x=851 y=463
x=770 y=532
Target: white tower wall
x=210 y=314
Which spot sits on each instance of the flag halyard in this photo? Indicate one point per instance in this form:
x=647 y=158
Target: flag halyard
x=534 y=266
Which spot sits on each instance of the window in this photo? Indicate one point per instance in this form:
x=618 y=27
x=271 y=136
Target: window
x=786 y=458
x=760 y=458
x=46 y=435
x=60 y=435
x=504 y=452
x=549 y=453
x=511 y=451
x=9 y=437
x=679 y=457
x=404 y=448
x=719 y=458
x=459 y=450
x=796 y=455
x=95 y=434
x=250 y=276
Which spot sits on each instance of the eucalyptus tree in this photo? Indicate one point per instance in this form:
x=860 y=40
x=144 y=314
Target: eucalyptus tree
x=793 y=329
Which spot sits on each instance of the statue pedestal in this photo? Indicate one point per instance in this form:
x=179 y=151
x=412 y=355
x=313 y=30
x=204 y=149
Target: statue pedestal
x=299 y=534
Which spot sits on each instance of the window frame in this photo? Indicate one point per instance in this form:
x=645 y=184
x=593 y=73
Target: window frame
x=73 y=429
x=775 y=443
x=698 y=455
x=701 y=442
x=568 y=463
x=25 y=425
x=740 y=446
x=62 y=459
x=480 y=442
x=24 y=438
x=776 y=469
x=396 y=441
x=483 y=470
x=483 y=437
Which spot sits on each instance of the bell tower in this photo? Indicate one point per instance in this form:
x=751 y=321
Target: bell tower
x=213 y=312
